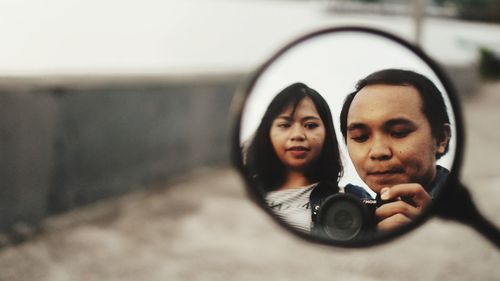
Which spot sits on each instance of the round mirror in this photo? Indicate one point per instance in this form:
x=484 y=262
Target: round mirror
x=347 y=136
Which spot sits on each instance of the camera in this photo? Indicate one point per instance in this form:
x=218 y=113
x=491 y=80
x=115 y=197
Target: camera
x=344 y=217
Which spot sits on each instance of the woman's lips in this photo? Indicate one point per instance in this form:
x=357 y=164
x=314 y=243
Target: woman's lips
x=297 y=148
x=298 y=151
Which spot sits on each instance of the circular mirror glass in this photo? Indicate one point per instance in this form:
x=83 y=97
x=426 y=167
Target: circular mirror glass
x=346 y=136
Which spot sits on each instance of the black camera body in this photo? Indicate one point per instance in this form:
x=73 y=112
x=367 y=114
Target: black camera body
x=344 y=217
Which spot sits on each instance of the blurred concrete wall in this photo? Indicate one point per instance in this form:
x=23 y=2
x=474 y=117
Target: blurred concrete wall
x=465 y=78
x=69 y=142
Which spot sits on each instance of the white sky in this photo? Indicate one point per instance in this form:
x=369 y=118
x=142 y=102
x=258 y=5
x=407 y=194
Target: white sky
x=61 y=37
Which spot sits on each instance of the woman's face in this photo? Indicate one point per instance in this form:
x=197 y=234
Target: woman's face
x=298 y=139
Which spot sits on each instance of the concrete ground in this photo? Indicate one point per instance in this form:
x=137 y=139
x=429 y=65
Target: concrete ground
x=203 y=227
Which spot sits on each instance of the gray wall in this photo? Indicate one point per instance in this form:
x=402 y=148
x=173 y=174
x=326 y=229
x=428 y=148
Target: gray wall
x=465 y=78
x=69 y=142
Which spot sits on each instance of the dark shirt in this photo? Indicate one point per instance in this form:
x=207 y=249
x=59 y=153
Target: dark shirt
x=439 y=181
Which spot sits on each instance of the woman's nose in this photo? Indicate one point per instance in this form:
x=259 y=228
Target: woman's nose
x=297 y=133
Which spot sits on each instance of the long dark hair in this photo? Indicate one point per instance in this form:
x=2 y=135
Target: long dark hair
x=261 y=159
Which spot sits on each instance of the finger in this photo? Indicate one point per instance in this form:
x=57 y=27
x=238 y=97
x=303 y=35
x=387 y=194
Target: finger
x=397 y=207
x=414 y=191
x=393 y=222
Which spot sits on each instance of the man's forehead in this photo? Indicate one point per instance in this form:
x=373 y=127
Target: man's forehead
x=385 y=102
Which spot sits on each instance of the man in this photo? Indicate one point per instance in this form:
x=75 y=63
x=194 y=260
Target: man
x=396 y=127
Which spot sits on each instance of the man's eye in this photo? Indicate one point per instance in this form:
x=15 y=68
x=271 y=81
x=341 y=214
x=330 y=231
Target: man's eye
x=400 y=134
x=359 y=138
x=311 y=125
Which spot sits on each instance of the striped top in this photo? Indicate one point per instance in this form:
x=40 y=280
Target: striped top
x=292 y=206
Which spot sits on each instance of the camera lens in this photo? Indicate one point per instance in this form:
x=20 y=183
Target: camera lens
x=342 y=217
x=343 y=220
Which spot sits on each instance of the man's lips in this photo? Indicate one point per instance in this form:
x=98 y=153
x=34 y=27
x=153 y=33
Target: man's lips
x=386 y=175
x=390 y=171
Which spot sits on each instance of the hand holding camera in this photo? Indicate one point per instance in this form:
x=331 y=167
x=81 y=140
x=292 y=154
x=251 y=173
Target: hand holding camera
x=407 y=202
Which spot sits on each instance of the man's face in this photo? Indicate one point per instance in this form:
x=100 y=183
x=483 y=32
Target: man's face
x=389 y=138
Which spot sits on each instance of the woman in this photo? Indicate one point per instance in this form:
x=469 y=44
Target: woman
x=293 y=150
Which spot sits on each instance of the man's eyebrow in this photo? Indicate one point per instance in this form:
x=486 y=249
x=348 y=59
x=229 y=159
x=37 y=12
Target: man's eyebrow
x=356 y=126
x=398 y=121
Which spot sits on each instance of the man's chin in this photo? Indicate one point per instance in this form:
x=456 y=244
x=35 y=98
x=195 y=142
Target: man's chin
x=377 y=185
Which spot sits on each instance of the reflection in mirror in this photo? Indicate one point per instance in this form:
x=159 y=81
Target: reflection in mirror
x=347 y=135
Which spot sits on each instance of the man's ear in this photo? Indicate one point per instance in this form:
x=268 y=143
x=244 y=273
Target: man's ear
x=442 y=144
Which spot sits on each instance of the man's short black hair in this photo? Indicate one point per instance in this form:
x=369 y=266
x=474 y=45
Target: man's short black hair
x=433 y=105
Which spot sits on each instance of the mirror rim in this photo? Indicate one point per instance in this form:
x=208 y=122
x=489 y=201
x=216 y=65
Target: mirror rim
x=255 y=194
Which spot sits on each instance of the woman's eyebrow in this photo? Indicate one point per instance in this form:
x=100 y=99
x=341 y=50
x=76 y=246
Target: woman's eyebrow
x=306 y=118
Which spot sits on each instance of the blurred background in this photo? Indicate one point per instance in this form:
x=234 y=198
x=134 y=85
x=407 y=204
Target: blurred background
x=114 y=139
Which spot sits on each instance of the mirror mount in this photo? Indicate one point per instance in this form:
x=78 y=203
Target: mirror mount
x=456 y=204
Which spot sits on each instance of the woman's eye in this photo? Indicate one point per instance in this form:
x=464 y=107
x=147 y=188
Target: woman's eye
x=311 y=125
x=284 y=125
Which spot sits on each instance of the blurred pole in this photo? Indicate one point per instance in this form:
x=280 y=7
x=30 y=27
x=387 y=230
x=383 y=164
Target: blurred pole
x=418 y=16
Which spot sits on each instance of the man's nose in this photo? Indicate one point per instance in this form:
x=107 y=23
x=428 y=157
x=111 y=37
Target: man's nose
x=380 y=149
x=297 y=133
